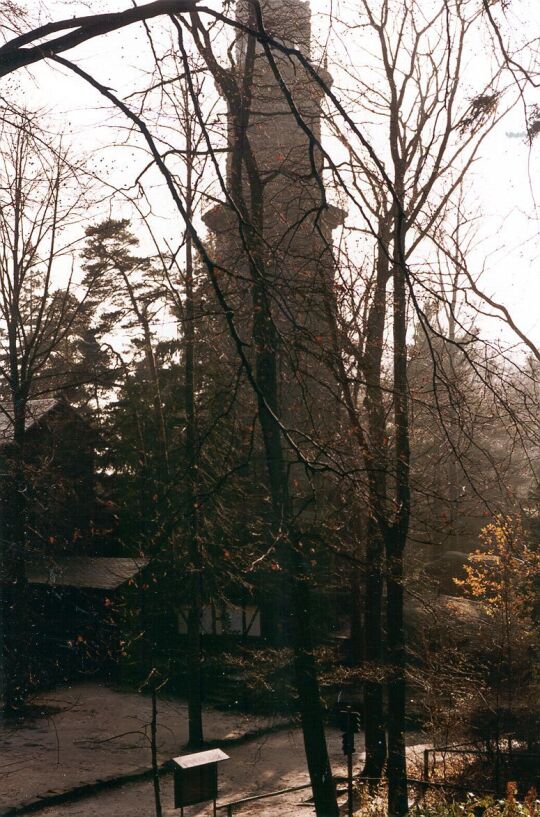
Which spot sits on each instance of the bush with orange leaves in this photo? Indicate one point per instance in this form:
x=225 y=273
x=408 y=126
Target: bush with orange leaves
x=503 y=578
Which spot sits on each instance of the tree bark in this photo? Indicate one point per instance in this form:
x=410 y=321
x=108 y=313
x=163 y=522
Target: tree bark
x=299 y=602
x=397 y=535
x=398 y=804
x=196 y=737
x=377 y=465
x=15 y=647
x=374 y=726
x=307 y=686
x=154 y=748
x=357 y=607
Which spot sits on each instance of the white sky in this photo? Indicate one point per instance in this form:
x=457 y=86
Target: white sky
x=505 y=181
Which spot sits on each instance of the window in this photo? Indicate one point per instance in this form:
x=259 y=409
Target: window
x=225 y=619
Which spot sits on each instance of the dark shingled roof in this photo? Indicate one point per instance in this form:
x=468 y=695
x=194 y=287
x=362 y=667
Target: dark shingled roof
x=98 y=573
x=35 y=411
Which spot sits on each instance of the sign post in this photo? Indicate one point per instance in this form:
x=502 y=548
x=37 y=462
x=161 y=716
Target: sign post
x=350 y=724
x=196 y=778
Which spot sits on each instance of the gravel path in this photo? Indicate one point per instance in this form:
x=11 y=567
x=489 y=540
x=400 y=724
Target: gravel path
x=266 y=764
x=262 y=765
x=89 y=732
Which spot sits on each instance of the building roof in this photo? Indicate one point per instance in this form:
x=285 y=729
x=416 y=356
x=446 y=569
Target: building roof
x=36 y=410
x=93 y=572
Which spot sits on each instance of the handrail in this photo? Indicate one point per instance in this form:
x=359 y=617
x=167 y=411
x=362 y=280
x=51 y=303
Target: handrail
x=500 y=755
x=231 y=805
x=453 y=751
x=411 y=780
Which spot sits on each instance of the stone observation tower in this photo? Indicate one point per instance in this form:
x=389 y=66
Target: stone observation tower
x=276 y=201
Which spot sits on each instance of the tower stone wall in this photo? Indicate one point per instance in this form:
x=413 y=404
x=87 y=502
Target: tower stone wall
x=295 y=226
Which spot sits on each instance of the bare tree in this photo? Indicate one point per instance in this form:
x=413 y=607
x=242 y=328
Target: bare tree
x=430 y=137
x=40 y=214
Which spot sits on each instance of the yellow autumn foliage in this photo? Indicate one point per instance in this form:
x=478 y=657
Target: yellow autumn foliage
x=502 y=573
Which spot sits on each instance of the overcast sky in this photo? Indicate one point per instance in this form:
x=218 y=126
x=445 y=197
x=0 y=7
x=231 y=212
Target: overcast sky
x=504 y=183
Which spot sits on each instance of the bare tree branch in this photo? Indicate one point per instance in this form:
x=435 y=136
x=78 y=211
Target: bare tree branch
x=14 y=54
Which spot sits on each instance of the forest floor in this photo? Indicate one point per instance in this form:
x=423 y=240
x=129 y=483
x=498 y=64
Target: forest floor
x=91 y=733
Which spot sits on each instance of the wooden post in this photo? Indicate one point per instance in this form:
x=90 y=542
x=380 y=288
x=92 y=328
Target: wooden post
x=350 y=784
x=426 y=765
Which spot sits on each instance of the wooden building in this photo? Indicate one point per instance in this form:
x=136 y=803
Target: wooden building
x=59 y=476
x=80 y=609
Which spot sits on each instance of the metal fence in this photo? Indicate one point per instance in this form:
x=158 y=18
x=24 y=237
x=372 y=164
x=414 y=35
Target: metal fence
x=420 y=784
x=232 y=805
x=509 y=765
x=502 y=774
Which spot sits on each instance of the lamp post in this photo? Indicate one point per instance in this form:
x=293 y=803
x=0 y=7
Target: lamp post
x=350 y=725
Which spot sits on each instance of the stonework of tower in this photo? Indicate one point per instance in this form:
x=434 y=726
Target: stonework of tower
x=297 y=229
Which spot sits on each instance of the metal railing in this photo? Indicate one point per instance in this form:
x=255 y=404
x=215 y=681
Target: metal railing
x=422 y=784
x=502 y=760
x=234 y=803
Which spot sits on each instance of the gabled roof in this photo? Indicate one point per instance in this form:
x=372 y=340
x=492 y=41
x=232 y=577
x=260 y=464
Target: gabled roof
x=92 y=572
x=36 y=410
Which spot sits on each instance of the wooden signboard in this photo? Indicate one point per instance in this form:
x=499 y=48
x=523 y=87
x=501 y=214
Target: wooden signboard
x=195 y=777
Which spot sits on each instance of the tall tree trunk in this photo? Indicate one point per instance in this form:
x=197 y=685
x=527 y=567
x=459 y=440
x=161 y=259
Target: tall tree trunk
x=377 y=464
x=192 y=513
x=299 y=601
x=374 y=726
x=299 y=596
x=357 y=608
x=396 y=768
x=243 y=165
x=15 y=631
x=397 y=534
x=154 y=746
x=307 y=686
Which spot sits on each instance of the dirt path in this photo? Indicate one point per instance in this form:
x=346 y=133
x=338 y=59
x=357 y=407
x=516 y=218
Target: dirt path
x=89 y=732
x=262 y=765
x=265 y=764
